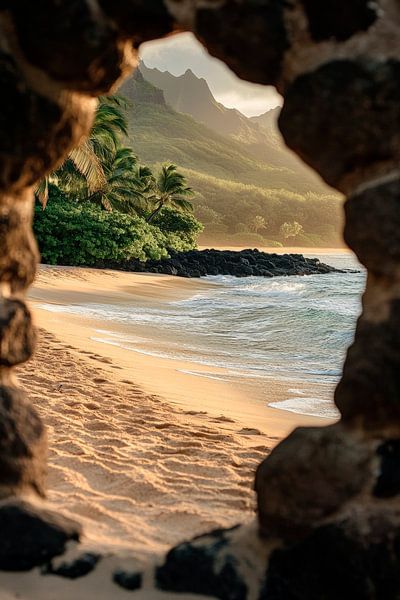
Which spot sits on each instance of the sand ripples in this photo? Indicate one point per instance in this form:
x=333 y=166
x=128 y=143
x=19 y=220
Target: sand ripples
x=136 y=471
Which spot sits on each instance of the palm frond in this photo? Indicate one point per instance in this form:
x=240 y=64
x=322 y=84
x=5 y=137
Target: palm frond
x=181 y=204
x=42 y=191
x=89 y=166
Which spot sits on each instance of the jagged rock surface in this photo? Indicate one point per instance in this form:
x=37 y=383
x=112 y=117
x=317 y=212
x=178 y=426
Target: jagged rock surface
x=246 y=263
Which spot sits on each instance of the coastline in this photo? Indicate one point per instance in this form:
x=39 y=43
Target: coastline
x=309 y=250
x=169 y=378
x=140 y=453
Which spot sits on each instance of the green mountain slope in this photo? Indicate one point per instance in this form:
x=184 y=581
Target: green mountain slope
x=258 y=136
x=232 y=185
x=158 y=134
x=191 y=95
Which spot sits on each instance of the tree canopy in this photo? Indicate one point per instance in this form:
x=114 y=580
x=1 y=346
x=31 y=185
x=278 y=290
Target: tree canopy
x=102 y=190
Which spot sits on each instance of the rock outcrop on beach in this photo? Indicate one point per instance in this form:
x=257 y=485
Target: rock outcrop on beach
x=244 y=263
x=328 y=523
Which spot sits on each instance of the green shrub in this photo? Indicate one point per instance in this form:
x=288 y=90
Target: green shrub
x=70 y=233
x=173 y=221
x=180 y=229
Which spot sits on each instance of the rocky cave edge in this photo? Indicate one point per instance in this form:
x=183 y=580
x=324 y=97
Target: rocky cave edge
x=328 y=522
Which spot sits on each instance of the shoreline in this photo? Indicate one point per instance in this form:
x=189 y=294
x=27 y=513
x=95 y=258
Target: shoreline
x=309 y=250
x=141 y=453
x=180 y=382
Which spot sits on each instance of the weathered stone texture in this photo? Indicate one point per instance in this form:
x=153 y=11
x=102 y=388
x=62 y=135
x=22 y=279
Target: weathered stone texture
x=128 y=581
x=18 y=249
x=348 y=560
x=140 y=20
x=309 y=476
x=32 y=535
x=388 y=482
x=373 y=227
x=255 y=30
x=369 y=392
x=191 y=568
x=55 y=126
x=74 y=569
x=323 y=492
x=339 y=19
x=73 y=42
x=23 y=445
x=17 y=335
x=354 y=107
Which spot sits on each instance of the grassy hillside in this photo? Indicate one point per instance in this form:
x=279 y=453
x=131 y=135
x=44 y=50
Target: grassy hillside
x=229 y=209
x=191 y=95
x=259 y=136
x=232 y=186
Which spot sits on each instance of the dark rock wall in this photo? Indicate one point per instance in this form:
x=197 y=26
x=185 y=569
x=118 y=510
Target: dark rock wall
x=328 y=505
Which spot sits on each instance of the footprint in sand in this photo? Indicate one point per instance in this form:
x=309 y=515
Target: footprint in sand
x=249 y=431
x=92 y=406
x=223 y=419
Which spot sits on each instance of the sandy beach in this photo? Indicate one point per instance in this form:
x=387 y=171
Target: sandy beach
x=170 y=379
x=140 y=452
x=142 y=455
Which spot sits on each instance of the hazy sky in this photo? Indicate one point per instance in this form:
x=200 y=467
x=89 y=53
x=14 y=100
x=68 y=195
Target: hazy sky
x=181 y=52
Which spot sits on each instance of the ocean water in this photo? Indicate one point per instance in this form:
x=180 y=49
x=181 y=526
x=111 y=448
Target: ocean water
x=292 y=329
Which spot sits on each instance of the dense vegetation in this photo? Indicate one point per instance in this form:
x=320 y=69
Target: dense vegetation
x=238 y=214
x=101 y=204
x=104 y=204
x=79 y=233
x=232 y=186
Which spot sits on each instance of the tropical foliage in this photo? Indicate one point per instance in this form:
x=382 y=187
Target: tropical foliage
x=103 y=204
x=290 y=230
x=170 y=190
x=80 y=233
x=228 y=210
x=257 y=223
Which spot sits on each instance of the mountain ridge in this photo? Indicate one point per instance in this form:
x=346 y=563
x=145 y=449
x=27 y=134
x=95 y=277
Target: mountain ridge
x=259 y=135
x=232 y=186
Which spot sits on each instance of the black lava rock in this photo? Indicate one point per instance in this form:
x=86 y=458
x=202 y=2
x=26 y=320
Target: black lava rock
x=338 y=19
x=128 y=581
x=336 y=563
x=372 y=227
x=388 y=483
x=250 y=37
x=365 y=113
x=83 y=565
x=369 y=390
x=244 y=263
x=190 y=568
x=31 y=536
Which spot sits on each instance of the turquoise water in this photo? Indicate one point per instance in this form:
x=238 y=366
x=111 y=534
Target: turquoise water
x=293 y=329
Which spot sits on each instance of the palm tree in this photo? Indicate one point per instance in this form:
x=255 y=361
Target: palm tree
x=170 y=189
x=292 y=229
x=126 y=185
x=257 y=223
x=110 y=124
x=86 y=162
